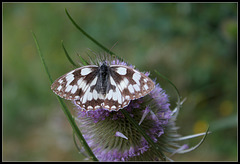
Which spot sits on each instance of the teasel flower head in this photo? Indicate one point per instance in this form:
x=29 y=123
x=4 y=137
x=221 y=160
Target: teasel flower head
x=112 y=137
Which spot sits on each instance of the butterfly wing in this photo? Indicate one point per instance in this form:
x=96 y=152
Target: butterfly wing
x=72 y=85
x=130 y=84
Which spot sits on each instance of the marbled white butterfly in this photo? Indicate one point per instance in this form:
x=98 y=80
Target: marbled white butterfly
x=110 y=87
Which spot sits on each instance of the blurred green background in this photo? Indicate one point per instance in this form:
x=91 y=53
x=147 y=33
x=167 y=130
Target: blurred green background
x=193 y=44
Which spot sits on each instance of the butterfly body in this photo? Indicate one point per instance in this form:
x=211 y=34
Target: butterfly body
x=102 y=85
x=110 y=87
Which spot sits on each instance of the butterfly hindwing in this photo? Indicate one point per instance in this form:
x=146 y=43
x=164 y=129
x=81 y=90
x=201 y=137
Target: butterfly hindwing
x=91 y=99
x=114 y=99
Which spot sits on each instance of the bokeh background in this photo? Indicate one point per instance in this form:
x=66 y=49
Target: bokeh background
x=193 y=44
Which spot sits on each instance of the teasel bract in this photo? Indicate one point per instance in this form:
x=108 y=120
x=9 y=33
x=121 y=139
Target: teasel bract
x=112 y=137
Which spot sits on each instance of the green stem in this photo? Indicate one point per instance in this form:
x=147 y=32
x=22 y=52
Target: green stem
x=91 y=38
x=65 y=109
x=169 y=82
x=68 y=57
x=42 y=59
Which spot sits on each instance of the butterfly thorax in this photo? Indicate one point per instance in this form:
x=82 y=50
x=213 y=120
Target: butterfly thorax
x=102 y=85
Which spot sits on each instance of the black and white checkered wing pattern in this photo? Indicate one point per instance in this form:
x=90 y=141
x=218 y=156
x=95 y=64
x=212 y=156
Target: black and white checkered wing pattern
x=130 y=84
x=109 y=87
x=73 y=85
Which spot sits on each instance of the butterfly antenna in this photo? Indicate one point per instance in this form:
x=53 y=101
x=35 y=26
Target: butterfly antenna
x=112 y=56
x=90 y=58
x=113 y=46
x=96 y=61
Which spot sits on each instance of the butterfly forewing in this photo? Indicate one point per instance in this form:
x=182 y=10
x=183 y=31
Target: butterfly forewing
x=71 y=86
x=132 y=83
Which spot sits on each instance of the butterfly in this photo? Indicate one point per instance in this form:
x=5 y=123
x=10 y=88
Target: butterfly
x=110 y=87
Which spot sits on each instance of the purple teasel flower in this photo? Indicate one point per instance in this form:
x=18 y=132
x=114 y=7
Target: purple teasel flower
x=113 y=138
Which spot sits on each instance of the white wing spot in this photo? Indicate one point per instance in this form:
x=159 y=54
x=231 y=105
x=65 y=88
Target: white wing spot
x=126 y=81
x=119 y=96
x=86 y=96
x=69 y=78
x=69 y=87
x=146 y=86
x=113 y=107
x=90 y=96
x=136 y=87
x=89 y=107
x=97 y=107
x=94 y=81
x=95 y=94
x=121 y=71
x=83 y=86
x=127 y=97
x=109 y=95
x=76 y=97
x=59 y=88
x=115 y=96
x=123 y=85
x=136 y=77
x=74 y=89
x=112 y=81
x=79 y=81
x=130 y=88
x=101 y=96
x=60 y=81
x=86 y=71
